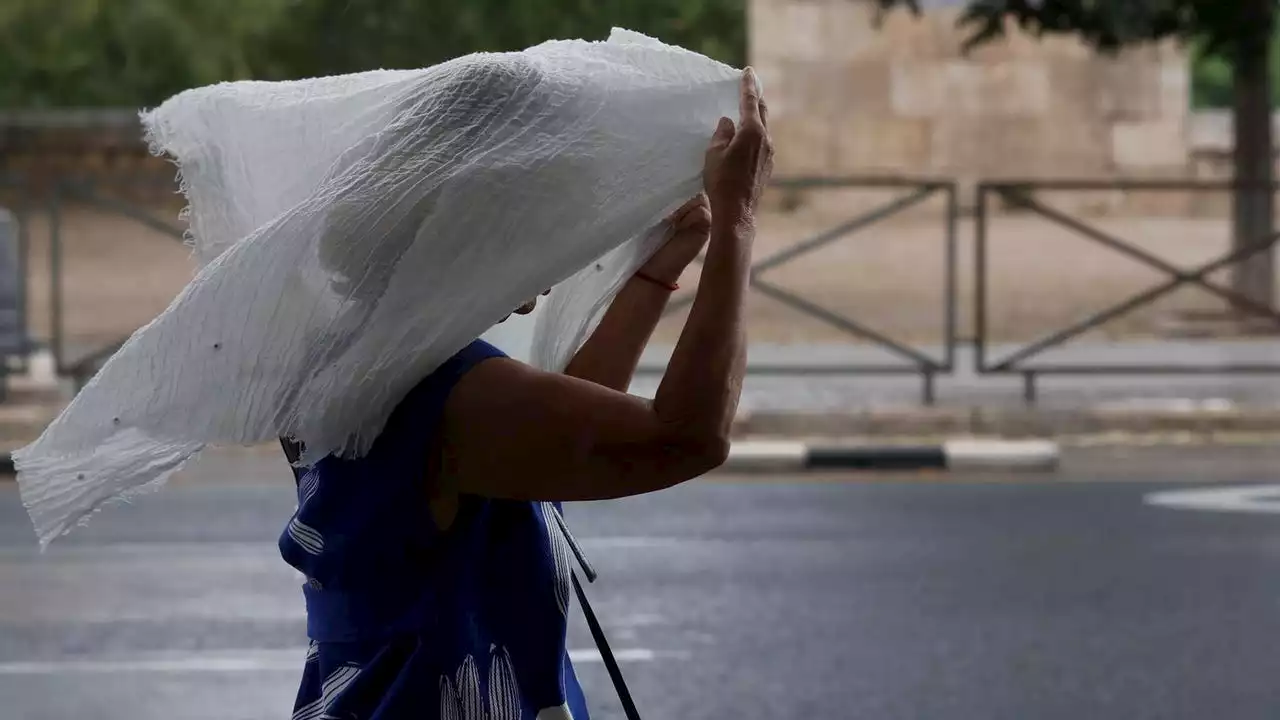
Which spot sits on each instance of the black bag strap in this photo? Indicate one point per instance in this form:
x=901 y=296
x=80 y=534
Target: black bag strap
x=293 y=451
x=597 y=632
x=602 y=643
x=606 y=654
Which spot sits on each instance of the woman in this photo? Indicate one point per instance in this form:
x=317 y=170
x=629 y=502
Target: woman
x=438 y=579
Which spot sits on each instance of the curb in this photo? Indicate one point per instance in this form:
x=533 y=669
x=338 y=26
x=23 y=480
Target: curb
x=960 y=454
x=1190 y=416
x=790 y=456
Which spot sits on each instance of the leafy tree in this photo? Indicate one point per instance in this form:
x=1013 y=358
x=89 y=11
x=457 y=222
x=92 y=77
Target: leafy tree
x=59 y=53
x=124 y=52
x=1211 y=84
x=323 y=37
x=1236 y=31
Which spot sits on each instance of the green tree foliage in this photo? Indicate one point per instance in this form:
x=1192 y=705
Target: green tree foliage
x=137 y=52
x=1110 y=25
x=124 y=52
x=1212 y=29
x=1211 y=76
x=350 y=35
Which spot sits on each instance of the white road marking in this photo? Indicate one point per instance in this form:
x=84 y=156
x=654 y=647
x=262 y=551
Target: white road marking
x=253 y=661
x=243 y=551
x=1249 y=499
x=97 y=551
x=258 y=662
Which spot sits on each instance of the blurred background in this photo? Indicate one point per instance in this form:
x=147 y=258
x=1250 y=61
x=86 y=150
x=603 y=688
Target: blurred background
x=991 y=219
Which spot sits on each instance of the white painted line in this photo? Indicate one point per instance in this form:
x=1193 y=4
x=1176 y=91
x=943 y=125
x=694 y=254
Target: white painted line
x=636 y=542
x=253 y=662
x=1250 y=499
x=258 y=662
x=1000 y=454
x=591 y=656
x=262 y=553
x=107 y=550
x=767 y=455
x=1168 y=405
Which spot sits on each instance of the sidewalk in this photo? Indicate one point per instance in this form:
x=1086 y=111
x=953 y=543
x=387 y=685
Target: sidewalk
x=852 y=406
x=967 y=403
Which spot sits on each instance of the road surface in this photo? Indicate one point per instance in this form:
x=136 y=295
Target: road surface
x=933 y=596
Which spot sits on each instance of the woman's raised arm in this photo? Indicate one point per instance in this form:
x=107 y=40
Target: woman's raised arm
x=512 y=431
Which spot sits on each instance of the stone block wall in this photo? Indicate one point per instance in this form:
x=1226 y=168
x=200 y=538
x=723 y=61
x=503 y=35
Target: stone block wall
x=854 y=92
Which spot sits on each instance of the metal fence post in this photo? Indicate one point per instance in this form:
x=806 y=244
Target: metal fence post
x=980 y=279
x=55 y=279
x=952 y=302
x=24 y=266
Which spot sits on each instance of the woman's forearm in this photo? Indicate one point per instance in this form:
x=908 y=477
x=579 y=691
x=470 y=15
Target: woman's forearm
x=611 y=354
x=700 y=390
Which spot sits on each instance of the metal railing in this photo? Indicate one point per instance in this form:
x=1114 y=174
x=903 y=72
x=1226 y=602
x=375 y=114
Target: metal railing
x=1025 y=360
x=1020 y=195
x=81 y=366
x=917 y=362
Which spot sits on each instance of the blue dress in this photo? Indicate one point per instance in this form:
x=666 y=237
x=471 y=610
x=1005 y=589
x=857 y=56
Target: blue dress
x=408 y=621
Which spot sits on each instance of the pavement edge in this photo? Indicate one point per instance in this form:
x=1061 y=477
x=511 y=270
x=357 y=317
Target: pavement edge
x=801 y=456
x=956 y=454
x=1019 y=422
x=900 y=438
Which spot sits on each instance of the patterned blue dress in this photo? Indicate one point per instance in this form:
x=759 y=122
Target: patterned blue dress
x=408 y=621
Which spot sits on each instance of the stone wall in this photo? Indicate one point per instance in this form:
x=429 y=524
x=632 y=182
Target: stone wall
x=40 y=148
x=855 y=93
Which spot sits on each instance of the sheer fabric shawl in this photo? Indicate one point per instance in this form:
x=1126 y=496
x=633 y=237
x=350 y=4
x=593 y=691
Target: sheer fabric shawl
x=354 y=232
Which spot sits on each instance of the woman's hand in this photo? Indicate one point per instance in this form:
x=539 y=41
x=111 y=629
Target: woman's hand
x=690 y=228
x=739 y=161
x=737 y=169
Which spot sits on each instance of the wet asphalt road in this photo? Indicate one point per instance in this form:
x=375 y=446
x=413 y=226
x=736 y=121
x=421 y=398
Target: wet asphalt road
x=972 y=598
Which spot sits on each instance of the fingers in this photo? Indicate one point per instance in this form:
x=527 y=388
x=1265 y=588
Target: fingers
x=697 y=217
x=693 y=202
x=749 y=109
x=764 y=113
x=724 y=133
x=689 y=212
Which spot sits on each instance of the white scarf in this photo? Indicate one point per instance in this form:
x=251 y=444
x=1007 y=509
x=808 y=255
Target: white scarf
x=354 y=232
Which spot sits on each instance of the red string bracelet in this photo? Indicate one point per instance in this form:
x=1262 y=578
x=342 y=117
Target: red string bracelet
x=672 y=287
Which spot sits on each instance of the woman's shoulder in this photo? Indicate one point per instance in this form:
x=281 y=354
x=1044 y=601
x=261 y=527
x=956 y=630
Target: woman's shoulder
x=415 y=421
x=476 y=351
x=443 y=378
x=422 y=408
x=417 y=416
